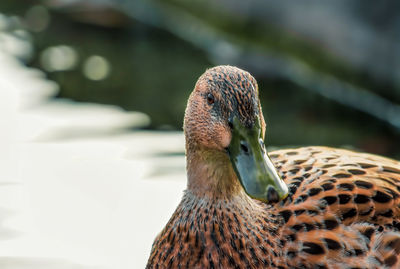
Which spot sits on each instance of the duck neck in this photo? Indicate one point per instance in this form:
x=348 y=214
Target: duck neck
x=210 y=174
x=216 y=223
x=223 y=231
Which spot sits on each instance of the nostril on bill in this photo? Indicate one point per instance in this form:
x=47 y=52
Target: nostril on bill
x=244 y=147
x=272 y=195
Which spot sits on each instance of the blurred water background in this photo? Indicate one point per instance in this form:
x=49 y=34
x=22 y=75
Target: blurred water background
x=93 y=94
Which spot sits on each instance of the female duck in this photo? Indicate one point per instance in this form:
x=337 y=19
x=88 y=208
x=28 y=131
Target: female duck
x=334 y=209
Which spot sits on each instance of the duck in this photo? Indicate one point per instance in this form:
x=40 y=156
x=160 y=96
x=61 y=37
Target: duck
x=244 y=207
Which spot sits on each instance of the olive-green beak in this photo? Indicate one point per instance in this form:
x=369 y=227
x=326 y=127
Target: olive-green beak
x=252 y=165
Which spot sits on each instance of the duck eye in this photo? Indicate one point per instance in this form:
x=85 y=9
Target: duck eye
x=210 y=99
x=230 y=123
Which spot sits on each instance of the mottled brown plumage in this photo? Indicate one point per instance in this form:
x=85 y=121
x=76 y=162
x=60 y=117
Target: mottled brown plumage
x=342 y=211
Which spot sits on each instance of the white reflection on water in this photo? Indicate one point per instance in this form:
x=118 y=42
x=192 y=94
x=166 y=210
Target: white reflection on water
x=89 y=201
x=59 y=58
x=16 y=44
x=14 y=40
x=37 y=263
x=96 y=68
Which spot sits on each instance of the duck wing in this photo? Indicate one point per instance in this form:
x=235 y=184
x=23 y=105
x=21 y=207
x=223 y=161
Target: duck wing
x=343 y=208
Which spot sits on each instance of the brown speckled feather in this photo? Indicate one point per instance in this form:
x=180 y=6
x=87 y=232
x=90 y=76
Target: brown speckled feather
x=343 y=208
x=342 y=212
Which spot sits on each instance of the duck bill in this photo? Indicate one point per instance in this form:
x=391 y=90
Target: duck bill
x=252 y=164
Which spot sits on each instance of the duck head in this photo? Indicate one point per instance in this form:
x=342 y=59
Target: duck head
x=224 y=129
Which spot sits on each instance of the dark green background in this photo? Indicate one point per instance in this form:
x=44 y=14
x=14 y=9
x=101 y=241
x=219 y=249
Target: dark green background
x=158 y=49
